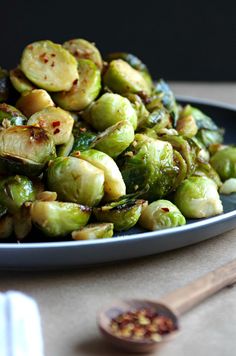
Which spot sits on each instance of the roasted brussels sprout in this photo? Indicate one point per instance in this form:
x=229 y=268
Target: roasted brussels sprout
x=19 y=81
x=57 y=219
x=134 y=61
x=157 y=120
x=197 y=197
x=81 y=48
x=149 y=162
x=56 y=121
x=161 y=214
x=122 y=215
x=84 y=91
x=6 y=226
x=121 y=78
x=115 y=139
x=76 y=180
x=139 y=107
x=15 y=191
x=206 y=170
x=108 y=110
x=25 y=150
x=65 y=149
x=33 y=101
x=10 y=116
x=4 y=85
x=49 y=66
x=93 y=232
x=208 y=131
x=186 y=126
x=114 y=185
x=228 y=187
x=224 y=162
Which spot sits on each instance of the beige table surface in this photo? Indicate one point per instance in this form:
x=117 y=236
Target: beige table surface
x=69 y=300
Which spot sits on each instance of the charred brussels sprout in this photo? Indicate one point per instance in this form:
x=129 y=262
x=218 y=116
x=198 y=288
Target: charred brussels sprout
x=76 y=180
x=115 y=139
x=33 y=101
x=224 y=162
x=15 y=191
x=121 y=78
x=10 y=116
x=58 y=219
x=84 y=91
x=4 y=85
x=122 y=215
x=197 y=197
x=49 y=66
x=94 y=231
x=25 y=150
x=56 y=121
x=82 y=49
x=149 y=162
x=108 y=110
x=161 y=214
x=114 y=185
x=19 y=81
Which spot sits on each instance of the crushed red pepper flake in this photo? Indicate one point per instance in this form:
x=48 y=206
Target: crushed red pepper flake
x=142 y=324
x=56 y=131
x=166 y=210
x=56 y=123
x=75 y=81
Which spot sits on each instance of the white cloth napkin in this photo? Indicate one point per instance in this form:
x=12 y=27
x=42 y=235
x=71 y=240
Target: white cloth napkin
x=20 y=328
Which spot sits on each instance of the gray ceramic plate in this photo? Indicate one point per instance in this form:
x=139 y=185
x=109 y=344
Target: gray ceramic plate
x=136 y=242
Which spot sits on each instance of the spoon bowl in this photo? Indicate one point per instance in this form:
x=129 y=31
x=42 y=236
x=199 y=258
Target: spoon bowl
x=130 y=344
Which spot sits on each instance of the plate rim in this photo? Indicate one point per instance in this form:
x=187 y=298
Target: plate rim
x=144 y=235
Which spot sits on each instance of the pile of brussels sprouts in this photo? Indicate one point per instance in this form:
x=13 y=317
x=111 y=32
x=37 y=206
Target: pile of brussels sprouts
x=88 y=146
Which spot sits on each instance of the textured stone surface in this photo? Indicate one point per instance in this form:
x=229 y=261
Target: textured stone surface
x=70 y=300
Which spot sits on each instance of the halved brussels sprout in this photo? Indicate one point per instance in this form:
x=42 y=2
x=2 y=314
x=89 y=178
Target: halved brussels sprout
x=25 y=150
x=49 y=66
x=229 y=186
x=149 y=162
x=65 y=149
x=19 y=81
x=76 y=180
x=186 y=126
x=58 y=219
x=33 y=101
x=122 y=215
x=4 y=85
x=84 y=91
x=224 y=162
x=134 y=61
x=56 y=121
x=161 y=214
x=121 y=78
x=114 y=185
x=108 y=110
x=15 y=191
x=81 y=48
x=10 y=116
x=197 y=197
x=115 y=139
x=208 y=131
x=6 y=226
x=93 y=232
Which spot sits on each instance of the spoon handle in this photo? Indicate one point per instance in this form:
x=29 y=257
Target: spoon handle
x=185 y=298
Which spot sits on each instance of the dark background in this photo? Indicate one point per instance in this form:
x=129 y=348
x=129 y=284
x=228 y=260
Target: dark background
x=178 y=40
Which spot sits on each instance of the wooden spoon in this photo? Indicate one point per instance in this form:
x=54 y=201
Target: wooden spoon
x=171 y=305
